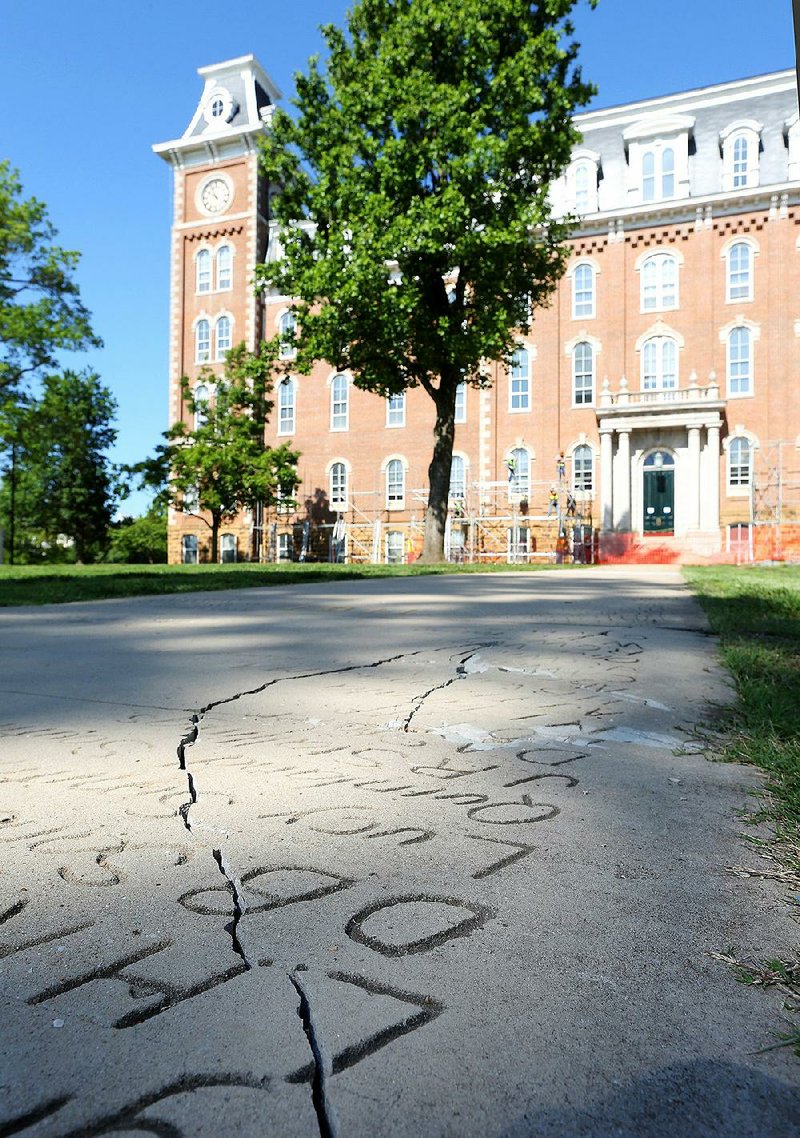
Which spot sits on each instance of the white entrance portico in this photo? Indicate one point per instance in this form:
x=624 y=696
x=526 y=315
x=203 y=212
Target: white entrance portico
x=659 y=461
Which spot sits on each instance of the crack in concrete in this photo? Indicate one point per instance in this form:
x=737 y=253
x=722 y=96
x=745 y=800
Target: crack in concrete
x=323 y=1065
x=460 y=674
x=326 y=1119
x=239 y=907
x=305 y=676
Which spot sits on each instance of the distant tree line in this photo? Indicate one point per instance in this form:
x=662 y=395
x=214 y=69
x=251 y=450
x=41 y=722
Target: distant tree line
x=59 y=489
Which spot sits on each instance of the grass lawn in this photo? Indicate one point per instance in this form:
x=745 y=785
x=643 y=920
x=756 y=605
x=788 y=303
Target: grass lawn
x=755 y=610
x=56 y=584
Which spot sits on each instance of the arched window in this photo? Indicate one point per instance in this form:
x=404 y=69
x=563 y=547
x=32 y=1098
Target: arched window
x=395 y=484
x=340 y=388
x=740 y=462
x=520 y=390
x=286 y=328
x=741 y=143
x=740 y=164
x=582 y=469
x=202 y=342
x=519 y=481
x=582 y=374
x=582 y=188
x=458 y=484
x=668 y=172
x=286 y=407
x=338 y=486
x=659 y=364
x=224 y=268
x=740 y=271
x=200 y=397
x=659 y=282
x=583 y=291
x=203 y=269
x=740 y=362
x=648 y=176
x=223 y=337
x=658 y=173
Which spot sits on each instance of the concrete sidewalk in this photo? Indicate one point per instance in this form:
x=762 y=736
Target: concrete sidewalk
x=419 y=857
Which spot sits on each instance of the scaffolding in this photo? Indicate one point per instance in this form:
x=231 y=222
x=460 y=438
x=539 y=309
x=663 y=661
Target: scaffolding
x=774 y=530
x=508 y=521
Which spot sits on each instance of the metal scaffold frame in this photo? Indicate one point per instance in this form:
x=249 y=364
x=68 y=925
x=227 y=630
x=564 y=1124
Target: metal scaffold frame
x=487 y=522
x=775 y=502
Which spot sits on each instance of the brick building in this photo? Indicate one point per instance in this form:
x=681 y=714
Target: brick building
x=654 y=405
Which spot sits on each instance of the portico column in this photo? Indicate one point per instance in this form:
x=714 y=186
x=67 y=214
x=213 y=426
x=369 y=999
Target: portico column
x=693 y=472
x=606 y=480
x=712 y=486
x=622 y=488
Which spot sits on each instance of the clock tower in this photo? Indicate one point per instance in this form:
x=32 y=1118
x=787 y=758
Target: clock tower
x=219 y=235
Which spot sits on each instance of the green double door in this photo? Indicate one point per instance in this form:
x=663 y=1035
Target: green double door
x=659 y=501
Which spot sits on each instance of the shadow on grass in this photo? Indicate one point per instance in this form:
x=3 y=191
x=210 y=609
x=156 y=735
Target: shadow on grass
x=42 y=585
x=756 y=613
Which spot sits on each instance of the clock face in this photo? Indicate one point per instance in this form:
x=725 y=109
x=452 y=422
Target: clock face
x=215 y=196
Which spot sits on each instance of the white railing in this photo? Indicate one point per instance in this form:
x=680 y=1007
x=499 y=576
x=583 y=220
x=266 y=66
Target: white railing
x=694 y=393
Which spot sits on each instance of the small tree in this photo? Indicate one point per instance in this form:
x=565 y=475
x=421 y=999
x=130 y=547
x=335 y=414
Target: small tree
x=219 y=465
x=41 y=312
x=414 y=207
x=142 y=540
x=59 y=481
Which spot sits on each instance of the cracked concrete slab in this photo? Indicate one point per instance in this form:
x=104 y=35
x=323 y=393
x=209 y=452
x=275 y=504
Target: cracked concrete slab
x=428 y=856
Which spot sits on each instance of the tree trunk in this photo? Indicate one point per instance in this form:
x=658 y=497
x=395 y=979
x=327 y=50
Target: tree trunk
x=439 y=472
x=215 y=524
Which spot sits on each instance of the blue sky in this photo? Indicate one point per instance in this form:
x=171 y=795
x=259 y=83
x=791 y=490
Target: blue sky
x=91 y=84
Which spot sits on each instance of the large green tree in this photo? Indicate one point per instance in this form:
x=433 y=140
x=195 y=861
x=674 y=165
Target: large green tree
x=41 y=312
x=217 y=464
x=414 y=202
x=60 y=487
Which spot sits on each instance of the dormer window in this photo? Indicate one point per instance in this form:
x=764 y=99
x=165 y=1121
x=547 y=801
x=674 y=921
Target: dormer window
x=219 y=108
x=658 y=158
x=740 y=144
x=581 y=178
x=658 y=173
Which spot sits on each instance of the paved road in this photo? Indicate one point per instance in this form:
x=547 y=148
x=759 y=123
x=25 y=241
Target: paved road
x=418 y=857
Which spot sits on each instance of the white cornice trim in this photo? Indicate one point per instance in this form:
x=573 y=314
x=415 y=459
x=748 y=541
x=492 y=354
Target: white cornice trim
x=684 y=209
x=213 y=221
x=658 y=126
x=716 y=95
x=174 y=150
